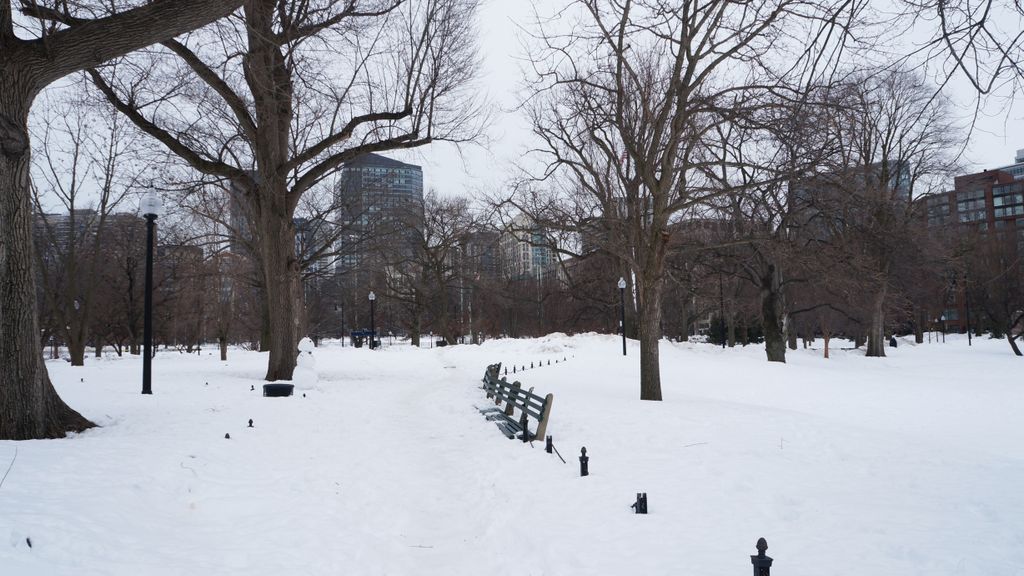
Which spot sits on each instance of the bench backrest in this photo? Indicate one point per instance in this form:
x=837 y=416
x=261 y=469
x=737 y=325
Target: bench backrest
x=514 y=396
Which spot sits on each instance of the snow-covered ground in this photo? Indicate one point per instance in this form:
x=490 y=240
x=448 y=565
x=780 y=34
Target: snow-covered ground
x=911 y=464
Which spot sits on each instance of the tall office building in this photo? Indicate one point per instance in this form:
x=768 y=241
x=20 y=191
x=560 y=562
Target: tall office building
x=379 y=204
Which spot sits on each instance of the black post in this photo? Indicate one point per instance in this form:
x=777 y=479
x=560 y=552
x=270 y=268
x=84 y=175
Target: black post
x=967 y=306
x=584 y=462
x=547 y=444
x=721 y=307
x=147 y=318
x=640 y=506
x=762 y=564
x=373 y=330
x=622 y=317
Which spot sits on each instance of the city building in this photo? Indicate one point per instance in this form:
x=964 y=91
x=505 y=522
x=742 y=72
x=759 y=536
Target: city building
x=379 y=203
x=525 y=250
x=983 y=203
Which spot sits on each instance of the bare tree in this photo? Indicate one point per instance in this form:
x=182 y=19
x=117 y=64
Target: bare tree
x=895 y=141
x=84 y=163
x=279 y=98
x=29 y=406
x=628 y=102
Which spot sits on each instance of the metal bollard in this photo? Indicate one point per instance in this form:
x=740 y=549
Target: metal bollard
x=640 y=506
x=548 y=445
x=762 y=564
x=531 y=364
x=250 y=422
x=584 y=462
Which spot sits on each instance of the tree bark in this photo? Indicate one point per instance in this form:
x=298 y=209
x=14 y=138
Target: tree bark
x=876 y=328
x=774 y=339
x=29 y=405
x=919 y=321
x=1013 y=342
x=650 y=335
x=281 y=288
x=791 y=335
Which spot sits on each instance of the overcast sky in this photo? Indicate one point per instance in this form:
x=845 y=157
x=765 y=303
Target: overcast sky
x=993 y=143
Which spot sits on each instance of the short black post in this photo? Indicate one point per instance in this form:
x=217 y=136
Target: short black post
x=640 y=506
x=762 y=564
x=250 y=422
x=549 y=362
x=584 y=461
x=531 y=364
x=525 y=423
x=513 y=370
x=506 y=370
x=548 y=445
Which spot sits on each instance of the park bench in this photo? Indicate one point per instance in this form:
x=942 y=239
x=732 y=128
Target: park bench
x=514 y=397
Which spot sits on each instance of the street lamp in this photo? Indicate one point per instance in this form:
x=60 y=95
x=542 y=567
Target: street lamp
x=373 y=331
x=151 y=208
x=943 y=318
x=622 y=312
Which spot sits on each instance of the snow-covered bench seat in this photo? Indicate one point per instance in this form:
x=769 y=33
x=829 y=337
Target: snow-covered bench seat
x=530 y=405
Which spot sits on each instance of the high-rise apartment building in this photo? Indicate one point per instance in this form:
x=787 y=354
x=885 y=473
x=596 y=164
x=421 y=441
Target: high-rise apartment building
x=525 y=250
x=379 y=203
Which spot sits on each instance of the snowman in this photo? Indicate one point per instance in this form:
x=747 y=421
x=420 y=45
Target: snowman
x=305 y=377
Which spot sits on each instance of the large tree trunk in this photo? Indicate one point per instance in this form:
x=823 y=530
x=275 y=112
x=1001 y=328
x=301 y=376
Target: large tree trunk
x=650 y=335
x=76 y=348
x=29 y=406
x=774 y=339
x=264 y=344
x=876 y=328
x=919 y=320
x=223 y=340
x=281 y=290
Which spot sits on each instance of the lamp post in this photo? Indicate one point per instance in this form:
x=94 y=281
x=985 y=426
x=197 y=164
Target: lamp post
x=340 y=309
x=943 y=318
x=622 y=312
x=373 y=330
x=151 y=208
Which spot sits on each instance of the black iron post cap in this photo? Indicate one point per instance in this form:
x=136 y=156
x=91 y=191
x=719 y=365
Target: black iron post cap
x=762 y=546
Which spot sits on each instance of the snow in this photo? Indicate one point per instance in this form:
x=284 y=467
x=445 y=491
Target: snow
x=910 y=464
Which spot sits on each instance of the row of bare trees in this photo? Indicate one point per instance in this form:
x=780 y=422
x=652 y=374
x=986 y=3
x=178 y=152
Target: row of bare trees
x=648 y=113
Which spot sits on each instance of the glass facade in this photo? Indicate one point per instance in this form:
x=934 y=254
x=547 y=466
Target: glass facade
x=380 y=197
x=970 y=205
x=1008 y=199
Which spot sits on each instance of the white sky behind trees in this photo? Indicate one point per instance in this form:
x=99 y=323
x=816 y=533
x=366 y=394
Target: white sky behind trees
x=488 y=167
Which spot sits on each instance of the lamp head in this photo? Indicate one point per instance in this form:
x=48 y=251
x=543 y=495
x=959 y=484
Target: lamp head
x=622 y=283
x=151 y=204
x=372 y=296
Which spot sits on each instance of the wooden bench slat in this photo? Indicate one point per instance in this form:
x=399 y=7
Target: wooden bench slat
x=514 y=397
